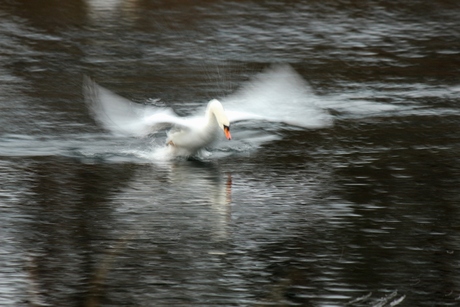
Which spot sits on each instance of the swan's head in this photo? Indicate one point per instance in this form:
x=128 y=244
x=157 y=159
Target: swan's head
x=216 y=108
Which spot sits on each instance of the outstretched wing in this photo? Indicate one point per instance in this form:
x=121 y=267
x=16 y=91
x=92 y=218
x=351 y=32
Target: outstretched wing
x=123 y=117
x=279 y=94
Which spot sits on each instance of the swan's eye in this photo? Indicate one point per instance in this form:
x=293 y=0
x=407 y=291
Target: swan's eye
x=226 y=127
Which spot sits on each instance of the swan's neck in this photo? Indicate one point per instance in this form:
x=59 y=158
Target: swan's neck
x=215 y=114
x=211 y=119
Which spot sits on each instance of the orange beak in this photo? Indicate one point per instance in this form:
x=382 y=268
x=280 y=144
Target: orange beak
x=227 y=132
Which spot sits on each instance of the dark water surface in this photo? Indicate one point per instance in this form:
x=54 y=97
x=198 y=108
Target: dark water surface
x=364 y=212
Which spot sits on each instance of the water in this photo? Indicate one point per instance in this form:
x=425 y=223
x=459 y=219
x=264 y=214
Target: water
x=360 y=212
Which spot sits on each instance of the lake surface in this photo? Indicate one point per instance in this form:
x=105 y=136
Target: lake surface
x=363 y=211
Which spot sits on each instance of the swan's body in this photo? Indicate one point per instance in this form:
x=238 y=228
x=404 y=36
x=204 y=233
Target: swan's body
x=201 y=132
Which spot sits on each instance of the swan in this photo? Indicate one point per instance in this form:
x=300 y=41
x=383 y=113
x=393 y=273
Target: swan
x=277 y=95
x=187 y=135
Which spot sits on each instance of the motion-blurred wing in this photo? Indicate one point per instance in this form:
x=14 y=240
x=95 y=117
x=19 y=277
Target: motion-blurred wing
x=121 y=116
x=279 y=94
x=238 y=116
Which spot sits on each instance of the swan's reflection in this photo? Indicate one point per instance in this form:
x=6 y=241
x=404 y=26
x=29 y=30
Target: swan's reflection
x=187 y=196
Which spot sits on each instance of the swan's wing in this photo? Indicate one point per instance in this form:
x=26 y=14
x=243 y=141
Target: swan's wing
x=238 y=116
x=121 y=116
x=279 y=94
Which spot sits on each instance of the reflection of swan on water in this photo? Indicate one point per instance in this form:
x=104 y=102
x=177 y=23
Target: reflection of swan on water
x=277 y=95
x=179 y=199
x=207 y=186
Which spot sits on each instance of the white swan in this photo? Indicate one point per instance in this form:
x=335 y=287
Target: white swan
x=278 y=94
x=187 y=136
